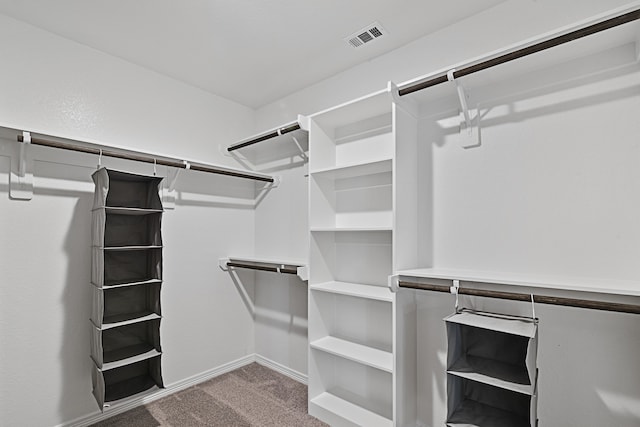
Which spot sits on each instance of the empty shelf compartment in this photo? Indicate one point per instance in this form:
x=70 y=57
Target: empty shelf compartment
x=475 y=404
x=359 y=353
x=348 y=411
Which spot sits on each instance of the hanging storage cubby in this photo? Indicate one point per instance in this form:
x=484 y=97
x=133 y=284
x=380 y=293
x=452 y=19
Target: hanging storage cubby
x=491 y=370
x=127 y=279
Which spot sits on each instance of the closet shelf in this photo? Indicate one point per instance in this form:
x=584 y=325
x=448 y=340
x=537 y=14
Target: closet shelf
x=347 y=410
x=128 y=319
x=492 y=372
x=350 y=229
x=365 y=107
x=466 y=415
x=379 y=293
x=354 y=170
x=150 y=353
x=365 y=355
x=128 y=211
x=607 y=286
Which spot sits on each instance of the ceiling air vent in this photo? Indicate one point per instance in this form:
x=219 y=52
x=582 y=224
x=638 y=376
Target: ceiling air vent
x=367 y=34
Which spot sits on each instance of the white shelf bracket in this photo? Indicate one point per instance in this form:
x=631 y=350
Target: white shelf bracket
x=393 y=282
x=222 y=263
x=303 y=155
x=303 y=272
x=470 y=139
x=21 y=180
x=169 y=196
x=303 y=122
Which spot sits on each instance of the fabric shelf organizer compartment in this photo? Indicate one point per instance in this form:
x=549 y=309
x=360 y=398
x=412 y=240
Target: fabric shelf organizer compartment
x=127 y=278
x=491 y=370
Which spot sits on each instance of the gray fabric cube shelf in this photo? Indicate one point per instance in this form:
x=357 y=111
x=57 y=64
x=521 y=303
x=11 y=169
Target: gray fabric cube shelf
x=127 y=278
x=491 y=370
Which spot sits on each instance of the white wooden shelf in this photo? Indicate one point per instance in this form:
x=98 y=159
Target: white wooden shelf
x=379 y=293
x=371 y=105
x=606 y=286
x=348 y=411
x=343 y=229
x=363 y=354
x=354 y=170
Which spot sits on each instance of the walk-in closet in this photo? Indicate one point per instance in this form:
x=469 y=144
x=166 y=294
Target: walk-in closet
x=377 y=214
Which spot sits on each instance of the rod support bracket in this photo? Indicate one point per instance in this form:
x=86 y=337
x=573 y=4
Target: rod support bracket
x=303 y=272
x=462 y=97
x=222 y=263
x=393 y=282
x=21 y=179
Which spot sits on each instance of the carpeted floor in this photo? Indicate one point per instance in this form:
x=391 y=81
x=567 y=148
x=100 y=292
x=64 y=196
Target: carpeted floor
x=249 y=396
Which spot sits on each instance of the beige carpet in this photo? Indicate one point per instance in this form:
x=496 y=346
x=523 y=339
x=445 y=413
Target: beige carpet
x=249 y=396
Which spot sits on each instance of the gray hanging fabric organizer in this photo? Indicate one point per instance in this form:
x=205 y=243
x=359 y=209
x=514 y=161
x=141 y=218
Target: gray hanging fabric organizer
x=491 y=370
x=126 y=276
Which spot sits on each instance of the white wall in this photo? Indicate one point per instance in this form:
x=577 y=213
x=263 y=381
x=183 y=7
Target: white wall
x=58 y=87
x=505 y=24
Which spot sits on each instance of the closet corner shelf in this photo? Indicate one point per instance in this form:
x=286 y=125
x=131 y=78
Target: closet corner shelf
x=348 y=411
x=600 y=285
x=296 y=129
x=379 y=293
x=359 y=353
x=275 y=266
x=373 y=104
x=348 y=229
x=354 y=170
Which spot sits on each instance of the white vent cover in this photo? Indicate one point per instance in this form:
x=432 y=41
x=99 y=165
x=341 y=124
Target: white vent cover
x=368 y=34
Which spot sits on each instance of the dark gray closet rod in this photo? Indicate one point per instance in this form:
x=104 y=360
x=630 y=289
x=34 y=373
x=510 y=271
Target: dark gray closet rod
x=273 y=134
x=542 y=299
x=144 y=159
x=538 y=47
x=287 y=269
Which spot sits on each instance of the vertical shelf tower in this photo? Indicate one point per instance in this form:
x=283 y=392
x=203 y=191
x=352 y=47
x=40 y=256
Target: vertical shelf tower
x=126 y=277
x=356 y=236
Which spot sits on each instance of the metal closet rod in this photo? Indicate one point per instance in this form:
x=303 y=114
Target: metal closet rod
x=273 y=134
x=145 y=158
x=514 y=296
x=293 y=270
x=538 y=47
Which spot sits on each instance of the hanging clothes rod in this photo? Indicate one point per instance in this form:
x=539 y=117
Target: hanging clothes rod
x=147 y=158
x=514 y=296
x=272 y=134
x=537 y=47
x=297 y=269
x=287 y=269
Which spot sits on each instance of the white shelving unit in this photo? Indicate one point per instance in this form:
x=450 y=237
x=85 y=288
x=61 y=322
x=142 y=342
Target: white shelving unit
x=354 y=232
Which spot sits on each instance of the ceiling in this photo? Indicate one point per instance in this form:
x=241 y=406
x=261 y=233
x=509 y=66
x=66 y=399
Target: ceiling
x=250 y=51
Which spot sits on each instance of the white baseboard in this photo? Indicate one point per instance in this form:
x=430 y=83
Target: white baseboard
x=87 y=420
x=295 y=375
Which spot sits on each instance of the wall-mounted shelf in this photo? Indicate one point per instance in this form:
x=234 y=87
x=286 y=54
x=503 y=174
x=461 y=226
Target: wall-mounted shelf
x=589 y=284
x=283 y=267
